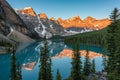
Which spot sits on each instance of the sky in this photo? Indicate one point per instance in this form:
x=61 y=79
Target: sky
x=68 y=8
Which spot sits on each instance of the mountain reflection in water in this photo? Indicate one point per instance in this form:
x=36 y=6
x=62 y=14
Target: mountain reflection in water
x=61 y=54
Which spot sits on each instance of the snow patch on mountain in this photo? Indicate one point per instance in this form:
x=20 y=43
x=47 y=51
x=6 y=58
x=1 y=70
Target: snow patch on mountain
x=73 y=32
x=86 y=30
x=51 y=26
x=42 y=32
x=70 y=31
x=38 y=27
x=11 y=29
x=27 y=8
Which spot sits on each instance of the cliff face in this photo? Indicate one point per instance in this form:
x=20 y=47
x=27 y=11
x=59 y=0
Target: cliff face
x=42 y=16
x=9 y=16
x=10 y=20
x=27 y=10
x=88 y=22
x=71 y=22
x=95 y=23
x=40 y=23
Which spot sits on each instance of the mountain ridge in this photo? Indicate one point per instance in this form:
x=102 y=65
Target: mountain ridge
x=88 y=22
x=27 y=10
x=75 y=21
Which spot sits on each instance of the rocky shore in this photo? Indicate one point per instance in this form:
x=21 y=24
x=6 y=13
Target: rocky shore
x=98 y=76
x=2 y=50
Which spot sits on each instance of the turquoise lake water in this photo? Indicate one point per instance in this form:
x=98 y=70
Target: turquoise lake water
x=28 y=57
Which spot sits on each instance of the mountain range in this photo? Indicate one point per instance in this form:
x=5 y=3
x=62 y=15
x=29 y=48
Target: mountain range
x=26 y=23
x=75 y=21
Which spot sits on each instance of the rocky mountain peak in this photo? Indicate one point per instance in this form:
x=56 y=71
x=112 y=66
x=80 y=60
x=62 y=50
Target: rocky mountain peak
x=53 y=19
x=70 y=22
x=28 y=11
x=59 y=20
x=27 y=8
x=74 y=18
x=42 y=15
x=88 y=22
x=89 y=18
x=106 y=19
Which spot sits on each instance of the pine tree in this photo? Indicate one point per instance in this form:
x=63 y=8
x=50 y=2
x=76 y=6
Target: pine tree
x=58 y=76
x=13 y=75
x=45 y=63
x=49 y=71
x=87 y=65
x=115 y=15
x=19 y=72
x=93 y=66
x=113 y=41
x=76 y=64
x=104 y=62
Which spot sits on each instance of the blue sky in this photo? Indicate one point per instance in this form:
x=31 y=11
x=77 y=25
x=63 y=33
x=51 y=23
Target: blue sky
x=69 y=8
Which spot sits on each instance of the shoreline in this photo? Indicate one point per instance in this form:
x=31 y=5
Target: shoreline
x=2 y=50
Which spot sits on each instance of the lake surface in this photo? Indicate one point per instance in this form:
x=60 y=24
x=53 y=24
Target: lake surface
x=28 y=57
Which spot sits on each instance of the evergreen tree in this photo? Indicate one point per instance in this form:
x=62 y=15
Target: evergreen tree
x=58 y=76
x=49 y=71
x=115 y=15
x=45 y=63
x=13 y=75
x=104 y=62
x=113 y=41
x=19 y=72
x=94 y=77
x=93 y=66
x=87 y=65
x=76 y=64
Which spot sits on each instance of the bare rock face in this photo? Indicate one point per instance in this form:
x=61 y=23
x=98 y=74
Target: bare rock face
x=27 y=10
x=96 y=24
x=52 y=26
x=53 y=19
x=42 y=15
x=71 y=22
x=4 y=38
x=12 y=18
x=30 y=19
x=9 y=19
x=41 y=24
x=19 y=37
x=88 y=22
